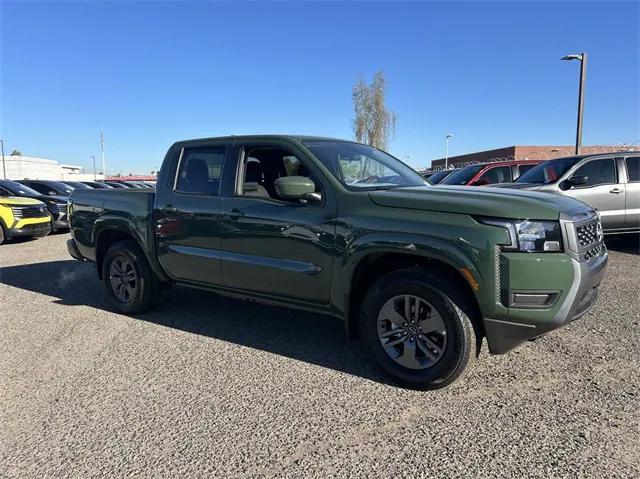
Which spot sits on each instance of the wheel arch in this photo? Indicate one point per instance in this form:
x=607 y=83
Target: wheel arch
x=373 y=263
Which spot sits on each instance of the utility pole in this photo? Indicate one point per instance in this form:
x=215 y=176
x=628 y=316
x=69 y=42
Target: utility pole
x=446 y=151
x=4 y=170
x=582 y=57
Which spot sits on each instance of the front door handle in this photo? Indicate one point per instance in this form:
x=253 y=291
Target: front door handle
x=615 y=191
x=235 y=213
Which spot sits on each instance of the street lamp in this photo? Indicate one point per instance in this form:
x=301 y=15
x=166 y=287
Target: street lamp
x=446 y=150
x=94 y=167
x=582 y=57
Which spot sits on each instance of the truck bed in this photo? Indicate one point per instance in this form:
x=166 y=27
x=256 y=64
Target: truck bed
x=131 y=210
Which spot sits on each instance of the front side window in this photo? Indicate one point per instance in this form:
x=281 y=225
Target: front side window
x=499 y=174
x=263 y=165
x=598 y=172
x=361 y=167
x=525 y=168
x=200 y=170
x=633 y=168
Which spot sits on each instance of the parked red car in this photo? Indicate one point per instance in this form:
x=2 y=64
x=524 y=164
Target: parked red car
x=490 y=173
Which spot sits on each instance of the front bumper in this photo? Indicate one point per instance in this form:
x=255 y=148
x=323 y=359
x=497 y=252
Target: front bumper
x=520 y=326
x=34 y=230
x=73 y=250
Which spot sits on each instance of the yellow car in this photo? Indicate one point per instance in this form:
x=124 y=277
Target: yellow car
x=23 y=217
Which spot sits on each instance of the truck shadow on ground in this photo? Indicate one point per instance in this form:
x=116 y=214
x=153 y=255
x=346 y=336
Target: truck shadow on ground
x=299 y=335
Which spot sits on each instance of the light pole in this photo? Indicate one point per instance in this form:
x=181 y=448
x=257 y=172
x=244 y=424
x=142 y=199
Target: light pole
x=94 y=167
x=446 y=150
x=583 y=76
x=4 y=170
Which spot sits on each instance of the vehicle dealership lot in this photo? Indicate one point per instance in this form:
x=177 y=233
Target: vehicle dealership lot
x=212 y=386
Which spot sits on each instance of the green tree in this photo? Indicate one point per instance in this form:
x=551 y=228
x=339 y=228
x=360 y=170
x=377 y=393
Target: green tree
x=16 y=153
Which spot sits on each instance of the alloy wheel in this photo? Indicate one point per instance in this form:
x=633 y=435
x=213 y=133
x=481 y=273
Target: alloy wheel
x=412 y=331
x=123 y=278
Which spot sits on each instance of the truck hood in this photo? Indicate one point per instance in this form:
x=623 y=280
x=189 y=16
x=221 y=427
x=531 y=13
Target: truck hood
x=19 y=201
x=479 y=200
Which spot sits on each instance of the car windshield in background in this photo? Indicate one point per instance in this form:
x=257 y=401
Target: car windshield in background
x=60 y=187
x=462 y=177
x=548 y=172
x=360 y=166
x=18 y=189
x=439 y=176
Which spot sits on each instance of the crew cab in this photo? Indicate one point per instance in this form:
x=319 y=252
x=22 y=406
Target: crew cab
x=609 y=182
x=420 y=273
x=489 y=173
x=21 y=217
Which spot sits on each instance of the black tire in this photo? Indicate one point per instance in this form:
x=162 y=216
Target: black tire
x=460 y=347
x=146 y=289
x=2 y=236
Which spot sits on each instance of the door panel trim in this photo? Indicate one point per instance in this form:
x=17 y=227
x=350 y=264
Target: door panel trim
x=275 y=263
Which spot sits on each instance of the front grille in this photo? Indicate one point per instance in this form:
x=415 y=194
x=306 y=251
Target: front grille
x=593 y=252
x=588 y=234
x=20 y=212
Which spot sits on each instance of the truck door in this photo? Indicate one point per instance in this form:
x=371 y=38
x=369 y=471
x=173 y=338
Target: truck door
x=603 y=190
x=632 y=197
x=187 y=214
x=273 y=246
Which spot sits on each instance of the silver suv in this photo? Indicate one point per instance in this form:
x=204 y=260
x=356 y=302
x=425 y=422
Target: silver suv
x=609 y=182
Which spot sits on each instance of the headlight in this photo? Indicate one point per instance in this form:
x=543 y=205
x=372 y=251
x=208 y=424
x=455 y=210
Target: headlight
x=530 y=235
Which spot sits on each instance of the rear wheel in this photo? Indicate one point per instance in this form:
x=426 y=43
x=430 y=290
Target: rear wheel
x=127 y=276
x=414 y=325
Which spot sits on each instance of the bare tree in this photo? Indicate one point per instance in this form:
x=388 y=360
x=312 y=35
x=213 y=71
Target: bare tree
x=373 y=124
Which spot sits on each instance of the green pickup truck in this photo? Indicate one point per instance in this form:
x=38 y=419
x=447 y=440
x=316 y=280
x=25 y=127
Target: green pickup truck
x=420 y=274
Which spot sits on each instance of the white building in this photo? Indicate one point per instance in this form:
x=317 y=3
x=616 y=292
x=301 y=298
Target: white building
x=29 y=167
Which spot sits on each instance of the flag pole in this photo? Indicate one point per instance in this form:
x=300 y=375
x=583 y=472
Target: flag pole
x=104 y=165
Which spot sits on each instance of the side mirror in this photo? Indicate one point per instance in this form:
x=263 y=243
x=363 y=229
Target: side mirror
x=296 y=188
x=577 y=181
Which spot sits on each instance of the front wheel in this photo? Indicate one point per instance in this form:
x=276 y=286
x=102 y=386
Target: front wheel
x=414 y=325
x=127 y=276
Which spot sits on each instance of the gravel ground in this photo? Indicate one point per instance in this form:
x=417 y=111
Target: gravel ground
x=206 y=386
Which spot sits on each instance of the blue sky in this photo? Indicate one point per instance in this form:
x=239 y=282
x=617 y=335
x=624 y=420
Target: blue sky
x=150 y=73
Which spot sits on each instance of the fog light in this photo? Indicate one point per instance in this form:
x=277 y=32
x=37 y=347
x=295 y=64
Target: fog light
x=531 y=299
x=551 y=246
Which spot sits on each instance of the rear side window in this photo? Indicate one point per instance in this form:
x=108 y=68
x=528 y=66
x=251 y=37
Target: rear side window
x=200 y=170
x=633 y=168
x=598 y=172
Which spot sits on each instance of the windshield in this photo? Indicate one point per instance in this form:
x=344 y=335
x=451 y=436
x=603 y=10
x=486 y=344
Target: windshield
x=462 y=177
x=78 y=185
x=19 y=189
x=59 y=187
x=360 y=166
x=439 y=176
x=548 y=172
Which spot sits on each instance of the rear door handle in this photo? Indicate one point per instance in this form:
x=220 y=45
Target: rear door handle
x=615 y=191
x=235 y=213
